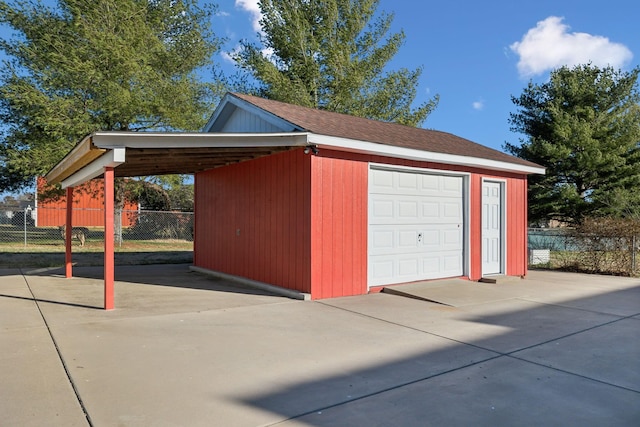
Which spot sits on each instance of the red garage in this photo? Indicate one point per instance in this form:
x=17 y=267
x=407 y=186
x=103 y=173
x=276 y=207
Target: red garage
x=328 y=204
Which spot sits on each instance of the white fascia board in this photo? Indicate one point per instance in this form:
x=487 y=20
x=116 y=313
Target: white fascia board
x=371 y=148
x=161 y=140
x=112 y=158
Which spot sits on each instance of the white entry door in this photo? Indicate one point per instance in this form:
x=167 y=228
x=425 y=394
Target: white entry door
x=492 y=228
x=416 y=226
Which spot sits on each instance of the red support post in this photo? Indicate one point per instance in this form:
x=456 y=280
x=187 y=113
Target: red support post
x=67 y=234
x=109 y=267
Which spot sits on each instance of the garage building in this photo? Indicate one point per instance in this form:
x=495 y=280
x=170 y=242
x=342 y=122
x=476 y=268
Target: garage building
x=328 y=204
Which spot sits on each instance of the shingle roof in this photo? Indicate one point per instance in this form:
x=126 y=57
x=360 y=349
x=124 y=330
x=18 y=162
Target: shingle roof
x=346 y=126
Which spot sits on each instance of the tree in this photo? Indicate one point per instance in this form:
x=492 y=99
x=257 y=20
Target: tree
x=318 y=54
x=87 y=66
x=583 y=125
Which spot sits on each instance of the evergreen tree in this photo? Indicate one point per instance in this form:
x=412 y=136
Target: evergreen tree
x=96 y=65
x=583 y=125
x=330 y=55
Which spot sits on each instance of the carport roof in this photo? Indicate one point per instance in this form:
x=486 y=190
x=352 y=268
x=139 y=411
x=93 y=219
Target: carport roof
x=161 y=153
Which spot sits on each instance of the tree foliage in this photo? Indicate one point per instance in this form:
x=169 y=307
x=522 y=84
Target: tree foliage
x=98 y=65
x=332 y=55
x=583 y=125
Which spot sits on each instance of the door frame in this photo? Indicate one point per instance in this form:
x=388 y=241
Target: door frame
x=503 y=224
x=466 y=210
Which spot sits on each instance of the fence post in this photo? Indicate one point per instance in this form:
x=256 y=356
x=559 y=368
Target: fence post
x=633 y=255
x=118 y=227
x=27 y=209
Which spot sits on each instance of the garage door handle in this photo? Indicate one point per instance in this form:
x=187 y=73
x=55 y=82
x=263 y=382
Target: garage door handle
x=419 y=237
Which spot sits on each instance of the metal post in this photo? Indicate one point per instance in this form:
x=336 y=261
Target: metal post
x=24 y=223
x=108 y=239
x=68 y=228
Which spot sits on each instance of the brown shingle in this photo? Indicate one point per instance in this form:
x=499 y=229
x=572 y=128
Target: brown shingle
x=345 y=126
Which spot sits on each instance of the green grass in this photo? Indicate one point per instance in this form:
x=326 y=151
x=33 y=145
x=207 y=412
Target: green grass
x=45 y=248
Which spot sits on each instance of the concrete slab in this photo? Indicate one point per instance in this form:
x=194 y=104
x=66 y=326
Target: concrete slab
x=614 y=360
x=503 y=326
x=499 y=392
x=183 y=349
x=605 y=294
x=455 y=292
x=34 y=389
x=150 y=291
x=245 y=366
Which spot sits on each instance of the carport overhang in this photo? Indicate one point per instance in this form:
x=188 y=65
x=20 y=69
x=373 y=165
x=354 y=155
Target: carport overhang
x=129 y=154
x=162 y=153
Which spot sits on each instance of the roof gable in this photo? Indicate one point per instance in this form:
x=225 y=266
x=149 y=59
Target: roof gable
x=357 y=128
x=235 y=115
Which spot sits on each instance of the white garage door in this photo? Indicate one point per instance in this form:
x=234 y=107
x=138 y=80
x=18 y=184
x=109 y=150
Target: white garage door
x=416 y=226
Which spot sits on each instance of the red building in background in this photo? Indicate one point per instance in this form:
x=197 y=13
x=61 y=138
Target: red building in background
x=88 y=207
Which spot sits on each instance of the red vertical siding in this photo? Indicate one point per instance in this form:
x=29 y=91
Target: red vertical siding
x=339 y=225
x=253 y=220
x=515 y=224
x=302 y=220
x=516 y=227
x=475 y=226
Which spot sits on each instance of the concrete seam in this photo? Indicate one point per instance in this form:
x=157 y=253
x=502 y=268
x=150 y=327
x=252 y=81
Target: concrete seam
x=55 y=345
x=413 y=329
x=510 y=353
x=572 y=373
x=577 y=308
x=385 y=390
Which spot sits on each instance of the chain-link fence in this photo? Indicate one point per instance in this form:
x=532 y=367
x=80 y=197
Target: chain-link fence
x=42 y=228
x=592 y=251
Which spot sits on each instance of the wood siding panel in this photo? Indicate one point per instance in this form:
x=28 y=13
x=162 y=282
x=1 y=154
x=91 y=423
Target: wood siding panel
x=475 y=226
x=339 y=226
x=517 y=259
x=250 y=220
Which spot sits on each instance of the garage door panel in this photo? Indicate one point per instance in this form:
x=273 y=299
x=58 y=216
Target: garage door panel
x=408 y=267
x=406 y=209
x=409 y=239
x=415 y=226
x=386 y=269
x=382 y=210
x=381 y=270
x=382 y=180
x=382 y=240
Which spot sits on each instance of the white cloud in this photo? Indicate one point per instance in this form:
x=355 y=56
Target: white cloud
x=226 y=56
x=549 y=45
x=478 y=105
x=252 y=7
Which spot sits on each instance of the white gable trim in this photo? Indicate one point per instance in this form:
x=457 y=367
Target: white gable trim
x=364 y=147
x=111 y=158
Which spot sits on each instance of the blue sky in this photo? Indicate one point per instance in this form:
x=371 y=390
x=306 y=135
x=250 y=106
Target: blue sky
x=476 y=55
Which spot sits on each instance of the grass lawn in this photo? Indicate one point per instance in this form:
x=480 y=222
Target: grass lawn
x=45 y=248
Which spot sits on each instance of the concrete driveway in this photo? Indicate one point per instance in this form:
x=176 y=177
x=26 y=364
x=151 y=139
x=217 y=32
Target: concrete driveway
x=182 y=349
